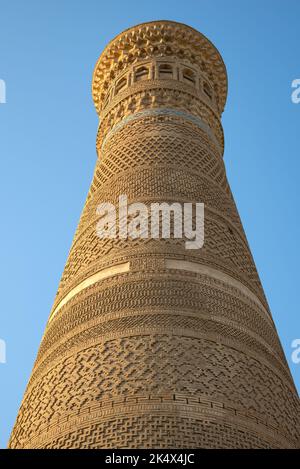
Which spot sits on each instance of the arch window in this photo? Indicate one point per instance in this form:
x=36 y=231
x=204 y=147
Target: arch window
x=189 y=76
x=207 y=90
x=165 y=71
x=121 y=84
x=142 y=73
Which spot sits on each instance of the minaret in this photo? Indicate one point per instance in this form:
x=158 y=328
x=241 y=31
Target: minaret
x=148 y=344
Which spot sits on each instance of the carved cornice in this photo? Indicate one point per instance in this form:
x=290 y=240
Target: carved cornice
x=155 y=40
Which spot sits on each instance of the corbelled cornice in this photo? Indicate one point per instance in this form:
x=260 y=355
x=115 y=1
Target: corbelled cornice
x=159 y=39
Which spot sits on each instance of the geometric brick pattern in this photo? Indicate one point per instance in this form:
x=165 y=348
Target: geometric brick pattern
x=174 y=432
x=160 y=356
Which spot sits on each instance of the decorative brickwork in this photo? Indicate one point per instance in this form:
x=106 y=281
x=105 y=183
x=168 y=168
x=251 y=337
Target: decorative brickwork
x=150 y=345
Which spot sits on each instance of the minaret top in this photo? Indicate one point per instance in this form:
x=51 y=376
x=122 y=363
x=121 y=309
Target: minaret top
x=160 y=40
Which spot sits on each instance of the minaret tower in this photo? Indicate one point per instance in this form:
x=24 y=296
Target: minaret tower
x=148 y=344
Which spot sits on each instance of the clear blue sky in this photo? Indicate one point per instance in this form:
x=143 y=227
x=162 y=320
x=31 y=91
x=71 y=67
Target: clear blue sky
x=47 y=145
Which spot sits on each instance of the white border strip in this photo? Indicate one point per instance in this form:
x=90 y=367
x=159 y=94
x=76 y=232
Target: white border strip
x=218 y=275
x=102 y=274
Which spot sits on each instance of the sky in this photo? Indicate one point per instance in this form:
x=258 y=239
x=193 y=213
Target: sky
x=47 y=148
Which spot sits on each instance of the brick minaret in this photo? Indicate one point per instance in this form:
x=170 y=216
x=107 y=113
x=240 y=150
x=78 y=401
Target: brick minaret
x=149 y=344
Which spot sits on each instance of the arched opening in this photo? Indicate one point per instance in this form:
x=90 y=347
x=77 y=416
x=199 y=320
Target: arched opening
x=165 y=71
x=207 y=90
x=142 y=73
x=121 y=84
x=189 y=76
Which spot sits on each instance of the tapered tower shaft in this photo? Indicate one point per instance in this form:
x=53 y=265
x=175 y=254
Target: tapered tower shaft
x=149 y=344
